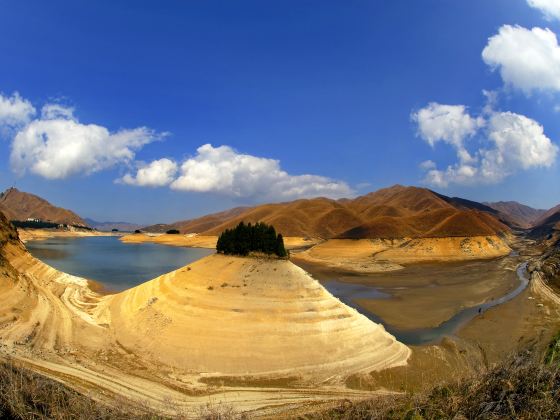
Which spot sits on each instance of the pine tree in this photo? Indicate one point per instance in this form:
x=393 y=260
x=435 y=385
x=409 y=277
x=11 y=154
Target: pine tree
x=244 y=239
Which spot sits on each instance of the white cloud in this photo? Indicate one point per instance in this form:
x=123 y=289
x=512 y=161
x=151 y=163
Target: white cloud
x=528 y=60
x=427 y=165
x=222 y=170
x=451 y=124
x=56 y=111
x=15 y=111
x=550 y=8
x=158 y=173
x=58 y=145
x=513 y=143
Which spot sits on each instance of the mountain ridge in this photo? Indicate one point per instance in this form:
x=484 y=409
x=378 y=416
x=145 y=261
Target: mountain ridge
x=397 y=211
x=19 y=205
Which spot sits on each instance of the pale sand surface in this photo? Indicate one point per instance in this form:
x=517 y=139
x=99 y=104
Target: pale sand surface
x=42 y=234
x=170 y=340
x=382 y=255
x=201 y=241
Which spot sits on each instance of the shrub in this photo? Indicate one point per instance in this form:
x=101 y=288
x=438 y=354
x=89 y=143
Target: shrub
x=244 y=239
x=137 y=231
x=172 y=232
x=114 y=230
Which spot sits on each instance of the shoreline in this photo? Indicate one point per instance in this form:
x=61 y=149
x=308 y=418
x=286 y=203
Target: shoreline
x=26 y=235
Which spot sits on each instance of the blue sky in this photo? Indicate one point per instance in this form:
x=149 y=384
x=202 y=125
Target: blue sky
x=331 y=90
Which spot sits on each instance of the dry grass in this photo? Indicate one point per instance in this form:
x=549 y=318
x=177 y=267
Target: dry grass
x=523 y=387
x=27 y=395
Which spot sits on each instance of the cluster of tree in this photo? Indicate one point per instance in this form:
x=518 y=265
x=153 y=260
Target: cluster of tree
x=246 y=238
x=33 y=224
x=172 y=232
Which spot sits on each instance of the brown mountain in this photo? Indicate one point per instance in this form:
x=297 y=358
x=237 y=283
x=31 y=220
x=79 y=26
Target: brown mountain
x=547 y=215
x=18 y=205
x=521 y=214
x=547 y=224
x=392 y=212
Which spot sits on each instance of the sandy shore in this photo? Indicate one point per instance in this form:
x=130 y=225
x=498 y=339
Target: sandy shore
x=42 y=234
x=201 y=241
x=383 y=255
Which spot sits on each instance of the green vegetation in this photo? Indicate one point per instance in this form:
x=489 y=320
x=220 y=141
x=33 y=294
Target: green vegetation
x=245 y=239
x=31 y=224
x=28 y=395
x=553 y=352
x=172 y=232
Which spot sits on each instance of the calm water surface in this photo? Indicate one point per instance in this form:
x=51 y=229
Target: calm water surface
x=106 y=259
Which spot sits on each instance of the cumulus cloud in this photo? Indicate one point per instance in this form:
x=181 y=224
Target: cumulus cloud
x=550 y=8
x=511 y=143
x=57 y=145
x=15 y=111
x=223 y=170
x=56 y=111
x=451 y=124
x=528 y=60
x=158 y=173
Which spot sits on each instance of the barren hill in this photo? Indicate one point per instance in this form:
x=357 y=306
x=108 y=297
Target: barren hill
x=393 y=212
x=18 y=205
x=548 y=224
x=523 y=215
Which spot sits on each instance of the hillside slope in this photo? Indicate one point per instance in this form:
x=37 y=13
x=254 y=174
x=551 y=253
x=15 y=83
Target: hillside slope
x=523 y=215
x=394 y=212
x=18 y=205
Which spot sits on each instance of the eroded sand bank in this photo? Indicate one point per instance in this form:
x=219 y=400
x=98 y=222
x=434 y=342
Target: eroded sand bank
x=41 y=234
x=202 y=241
x=383 y=255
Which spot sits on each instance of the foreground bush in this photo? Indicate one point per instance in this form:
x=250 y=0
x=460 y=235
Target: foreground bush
x=245 y=239
x=523 y=387
x=27 y=395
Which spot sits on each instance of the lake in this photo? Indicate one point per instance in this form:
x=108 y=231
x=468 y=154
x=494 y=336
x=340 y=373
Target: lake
x=114 y=264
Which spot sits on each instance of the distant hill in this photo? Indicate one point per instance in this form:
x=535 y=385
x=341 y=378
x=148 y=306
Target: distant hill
x=547 y=224
x=18 y=205
x=392 y=212
x=200 y=224
x=108 y=226
x=544 y=217
x=521 y=214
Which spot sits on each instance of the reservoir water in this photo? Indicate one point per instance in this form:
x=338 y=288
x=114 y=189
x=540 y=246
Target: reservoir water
x=114 y=264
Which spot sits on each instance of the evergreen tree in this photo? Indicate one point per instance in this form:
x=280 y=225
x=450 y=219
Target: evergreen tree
x=246 y=238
